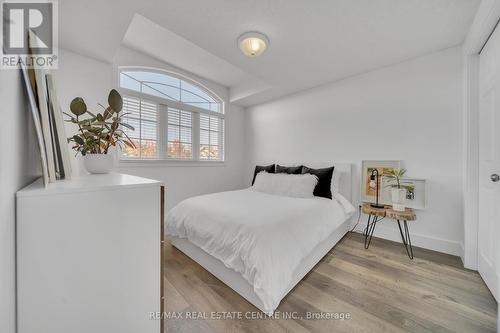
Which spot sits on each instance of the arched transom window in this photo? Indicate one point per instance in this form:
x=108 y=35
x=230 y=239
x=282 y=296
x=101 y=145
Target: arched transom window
x=174 y=118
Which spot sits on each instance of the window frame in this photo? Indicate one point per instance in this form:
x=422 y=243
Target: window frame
x=163 y=105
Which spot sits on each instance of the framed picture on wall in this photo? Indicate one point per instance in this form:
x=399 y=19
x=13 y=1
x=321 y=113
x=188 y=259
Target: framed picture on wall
x=415 y=198
x=369 y=194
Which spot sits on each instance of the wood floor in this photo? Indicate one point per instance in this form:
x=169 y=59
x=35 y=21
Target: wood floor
x=380 y=288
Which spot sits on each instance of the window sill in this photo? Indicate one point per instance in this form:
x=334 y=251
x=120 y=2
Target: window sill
x=127 y=163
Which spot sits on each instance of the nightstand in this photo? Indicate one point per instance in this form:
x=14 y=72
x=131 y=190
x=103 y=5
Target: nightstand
x=377 y=214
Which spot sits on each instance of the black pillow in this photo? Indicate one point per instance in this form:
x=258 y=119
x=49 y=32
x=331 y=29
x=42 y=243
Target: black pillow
x=324 y=186
x=293 y=170
x=259 y=168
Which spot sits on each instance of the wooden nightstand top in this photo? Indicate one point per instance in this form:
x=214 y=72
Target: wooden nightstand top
x=407 y=215
x=368 y=209
x=387 y=211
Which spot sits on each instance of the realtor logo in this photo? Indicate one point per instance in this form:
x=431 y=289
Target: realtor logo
x=29 y=34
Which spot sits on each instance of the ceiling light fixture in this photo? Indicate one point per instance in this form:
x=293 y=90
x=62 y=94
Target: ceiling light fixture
x=253 y=43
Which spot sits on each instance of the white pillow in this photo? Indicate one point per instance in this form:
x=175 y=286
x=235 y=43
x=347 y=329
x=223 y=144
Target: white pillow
x=297 y=186
x=336 y=178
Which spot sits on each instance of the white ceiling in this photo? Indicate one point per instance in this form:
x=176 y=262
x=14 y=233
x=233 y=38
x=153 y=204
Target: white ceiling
x=312 y=42
x=152 y=39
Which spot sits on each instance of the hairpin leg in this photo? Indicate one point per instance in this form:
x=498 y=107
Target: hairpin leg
x=406 y=238
x=370 y=228
x=365 y=231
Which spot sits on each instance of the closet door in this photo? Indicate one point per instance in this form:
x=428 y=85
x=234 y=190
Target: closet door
x=489 y=164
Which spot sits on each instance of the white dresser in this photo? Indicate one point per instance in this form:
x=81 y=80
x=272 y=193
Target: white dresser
x=89 y=255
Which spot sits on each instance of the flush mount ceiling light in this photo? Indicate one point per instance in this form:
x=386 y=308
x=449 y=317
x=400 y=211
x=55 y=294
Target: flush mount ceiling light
x=253 y=44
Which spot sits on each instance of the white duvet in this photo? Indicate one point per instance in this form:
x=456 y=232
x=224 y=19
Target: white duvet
x=263 y=237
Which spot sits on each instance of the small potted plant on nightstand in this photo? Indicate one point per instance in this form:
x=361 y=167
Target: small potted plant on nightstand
x=399 y=188
x=98 y=132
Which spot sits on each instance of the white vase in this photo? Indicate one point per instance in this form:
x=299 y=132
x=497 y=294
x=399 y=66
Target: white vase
x=98 y=163
x=398 y=199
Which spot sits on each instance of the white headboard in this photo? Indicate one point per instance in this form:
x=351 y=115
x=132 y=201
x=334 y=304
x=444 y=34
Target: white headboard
x=342 y=168
x=345 y=171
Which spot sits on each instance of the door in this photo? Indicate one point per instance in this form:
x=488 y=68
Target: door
x=489 y=164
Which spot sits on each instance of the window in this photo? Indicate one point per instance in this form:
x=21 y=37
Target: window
x=173 y=118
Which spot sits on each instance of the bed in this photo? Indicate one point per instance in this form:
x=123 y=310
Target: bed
x=261 y=245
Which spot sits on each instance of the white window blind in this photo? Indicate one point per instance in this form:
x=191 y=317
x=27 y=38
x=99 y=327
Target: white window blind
x=179 y=134
x=210 y=137
x=142 y=116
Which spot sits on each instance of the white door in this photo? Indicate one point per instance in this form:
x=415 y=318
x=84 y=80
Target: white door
x=489 y=164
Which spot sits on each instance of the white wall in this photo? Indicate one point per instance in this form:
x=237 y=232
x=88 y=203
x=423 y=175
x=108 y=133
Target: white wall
x=19 y=165
x=409 y=111
x=91 y=79
x=80 y=76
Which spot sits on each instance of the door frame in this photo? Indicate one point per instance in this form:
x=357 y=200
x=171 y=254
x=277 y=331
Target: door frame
x=485 y=21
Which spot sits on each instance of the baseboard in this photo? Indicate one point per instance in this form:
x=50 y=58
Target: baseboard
x=462 y=253
x=424 y=241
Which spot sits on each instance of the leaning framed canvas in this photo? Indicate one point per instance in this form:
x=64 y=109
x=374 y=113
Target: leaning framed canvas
x=59 y=133
x=368 y=194
x=36 y=120
x=43 y=109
